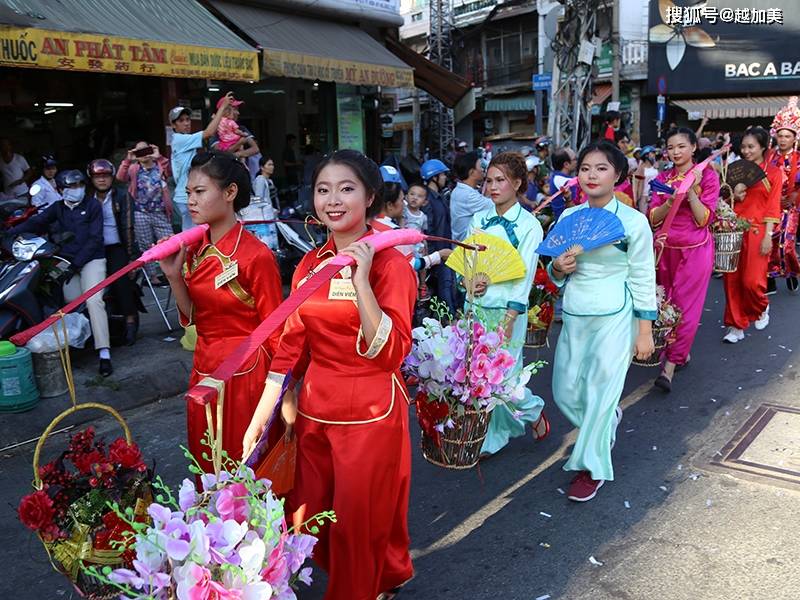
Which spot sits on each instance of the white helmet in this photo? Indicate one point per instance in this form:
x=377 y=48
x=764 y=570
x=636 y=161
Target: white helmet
x=532 y=162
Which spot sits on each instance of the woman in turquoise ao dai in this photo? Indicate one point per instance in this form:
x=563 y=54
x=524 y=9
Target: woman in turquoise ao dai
x=609 y=306
x=507 y=302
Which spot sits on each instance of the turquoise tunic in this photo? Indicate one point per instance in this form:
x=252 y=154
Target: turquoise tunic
x=524 y=232
x=612 y=289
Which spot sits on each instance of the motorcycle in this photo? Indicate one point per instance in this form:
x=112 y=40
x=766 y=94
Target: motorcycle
x=30 y=281
x=297 y=236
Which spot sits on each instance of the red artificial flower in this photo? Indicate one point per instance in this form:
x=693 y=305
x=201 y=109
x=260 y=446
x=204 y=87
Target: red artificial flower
x=430 y=414
x=546 y=313
x=83 y=461
x=36 y=511
x=128 y=456
x=82 y=441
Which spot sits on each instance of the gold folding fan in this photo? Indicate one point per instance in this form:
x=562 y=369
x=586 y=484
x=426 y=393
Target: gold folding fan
x=499 y=262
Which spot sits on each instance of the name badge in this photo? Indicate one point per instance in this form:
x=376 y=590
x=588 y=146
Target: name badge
x=342 y=289
x=228 y=274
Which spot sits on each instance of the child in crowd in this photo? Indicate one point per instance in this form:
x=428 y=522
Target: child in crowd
x=414 y=218
x=230 y=134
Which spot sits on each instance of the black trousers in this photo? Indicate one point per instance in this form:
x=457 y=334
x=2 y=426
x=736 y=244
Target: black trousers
x=124 y=290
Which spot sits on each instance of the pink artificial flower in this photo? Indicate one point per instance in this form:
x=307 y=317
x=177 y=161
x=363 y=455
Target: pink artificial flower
x=477 y=329
x=495 y=374
x=480 y=366
x=232 y=503
x=481 y=390
x=479 y=349
x=460 y=375
x=277 y=571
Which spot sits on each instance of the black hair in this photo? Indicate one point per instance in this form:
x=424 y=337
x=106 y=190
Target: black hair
x=559 y=158
x=225 y=169
x=620 y=134
x=760 y=134
x=612 y=115
x=418 y=183
x=703 y=154
x=265 y=158
x=365 y=169
x=613 y=154
x=464 y=163
x=682 y=131
x=290 y=137
x=391 y=193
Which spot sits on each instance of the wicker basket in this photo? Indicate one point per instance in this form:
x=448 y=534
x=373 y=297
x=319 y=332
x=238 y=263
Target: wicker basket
x=460 y=445
x=727 y=247
x=69 y=556
x=536 y=337
x=660 y=338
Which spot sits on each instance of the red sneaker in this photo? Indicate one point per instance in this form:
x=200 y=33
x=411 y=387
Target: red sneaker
x=583 y=488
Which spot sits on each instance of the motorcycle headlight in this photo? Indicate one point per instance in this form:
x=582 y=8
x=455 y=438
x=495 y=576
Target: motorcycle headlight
x=22 y=250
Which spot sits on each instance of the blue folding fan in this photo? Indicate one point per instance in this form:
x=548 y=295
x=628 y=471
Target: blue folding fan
x=582 y=231
x=661 y=187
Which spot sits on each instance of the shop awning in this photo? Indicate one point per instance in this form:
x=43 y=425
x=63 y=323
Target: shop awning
x=733 y=108
x=601 y=93
x=179 y=38
x=522 y=103
x=305 y=48
x=444 y=85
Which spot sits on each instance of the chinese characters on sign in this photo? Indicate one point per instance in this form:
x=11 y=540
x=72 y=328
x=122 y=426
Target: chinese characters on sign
x=39 y=48
x=691 y=16
x=289 y=64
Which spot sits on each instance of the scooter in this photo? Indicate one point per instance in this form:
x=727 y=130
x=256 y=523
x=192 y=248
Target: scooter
x=30 y=288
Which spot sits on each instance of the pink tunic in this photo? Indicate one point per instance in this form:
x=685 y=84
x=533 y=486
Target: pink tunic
x=688 y=259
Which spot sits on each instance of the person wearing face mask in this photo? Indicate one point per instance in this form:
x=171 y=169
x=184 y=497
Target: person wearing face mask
x=119 y=241
x=47 y=193
x=78 y=215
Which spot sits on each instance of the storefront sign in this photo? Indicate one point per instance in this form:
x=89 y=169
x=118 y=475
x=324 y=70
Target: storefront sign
x=306 y=66
x=730 y=47
x=350 y=117
x=43 y=49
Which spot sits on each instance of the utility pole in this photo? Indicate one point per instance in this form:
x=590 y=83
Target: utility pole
x=570 y=119
x=440 y=44
x=616 y=61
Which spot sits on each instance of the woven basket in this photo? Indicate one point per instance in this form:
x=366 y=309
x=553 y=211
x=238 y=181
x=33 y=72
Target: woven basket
x=68 y=556
x=536 y=337
x=727 y=247
x=660 y=337
x=460 y=445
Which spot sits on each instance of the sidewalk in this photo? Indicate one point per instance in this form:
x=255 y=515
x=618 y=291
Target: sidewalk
x=155 y=367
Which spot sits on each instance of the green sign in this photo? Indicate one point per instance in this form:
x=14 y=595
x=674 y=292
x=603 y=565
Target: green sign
x=605 y=64
x=351 y=118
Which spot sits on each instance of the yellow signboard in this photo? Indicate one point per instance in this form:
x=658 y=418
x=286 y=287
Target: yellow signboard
x=43 y=49
x=306 y=66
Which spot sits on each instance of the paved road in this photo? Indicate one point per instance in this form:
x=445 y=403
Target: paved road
x=692 y=532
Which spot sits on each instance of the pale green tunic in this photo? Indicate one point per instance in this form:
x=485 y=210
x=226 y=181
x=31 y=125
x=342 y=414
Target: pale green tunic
x=527 y=235
x=611 y=290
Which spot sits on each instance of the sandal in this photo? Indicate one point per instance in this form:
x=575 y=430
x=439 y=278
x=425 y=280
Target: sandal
x=663 y=383
x=538 y=435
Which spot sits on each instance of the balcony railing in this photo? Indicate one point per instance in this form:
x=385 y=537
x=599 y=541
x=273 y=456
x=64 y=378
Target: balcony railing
x=634 y=52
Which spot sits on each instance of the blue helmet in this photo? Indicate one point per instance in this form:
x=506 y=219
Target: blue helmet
x=431 y=168
x=390 y=174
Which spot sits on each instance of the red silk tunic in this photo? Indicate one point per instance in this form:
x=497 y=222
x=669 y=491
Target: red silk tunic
x=746 y=288
x=354 y=449
x=224 y=316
